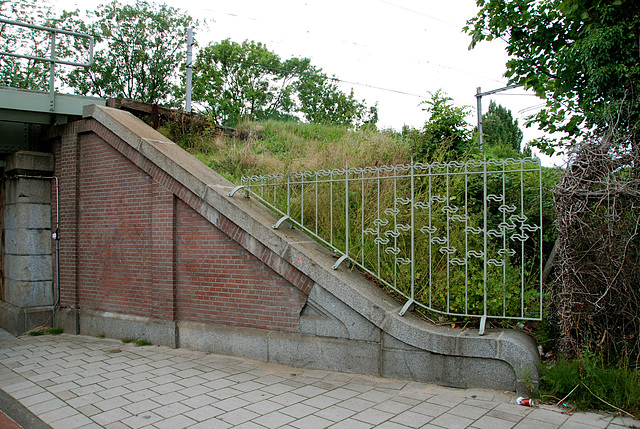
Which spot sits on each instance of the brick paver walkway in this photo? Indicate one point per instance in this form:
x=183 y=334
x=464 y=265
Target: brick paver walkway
x=84 y=382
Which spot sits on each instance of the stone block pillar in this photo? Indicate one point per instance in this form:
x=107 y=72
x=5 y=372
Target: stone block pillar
x=27 y=264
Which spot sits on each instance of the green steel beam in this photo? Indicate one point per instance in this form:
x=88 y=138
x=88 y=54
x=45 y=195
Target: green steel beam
x=35 y=107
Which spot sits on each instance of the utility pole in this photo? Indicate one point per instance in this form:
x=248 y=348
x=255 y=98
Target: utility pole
x=187 y=107
x=479 y=95
x=479 y=110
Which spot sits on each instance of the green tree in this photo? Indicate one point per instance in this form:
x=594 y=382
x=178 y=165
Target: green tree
x=500 y=129
x=446 y=130
x=581 y=56
x=29 y=73
x=141 y=49
x=237 y=81
x=248 y=81
x=322 y=101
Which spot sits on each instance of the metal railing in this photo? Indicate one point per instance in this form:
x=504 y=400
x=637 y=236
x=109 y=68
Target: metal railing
x=462 y=239
x=52 y=58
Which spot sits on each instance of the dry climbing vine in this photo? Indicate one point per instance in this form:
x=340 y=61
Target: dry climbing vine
x=596 y=295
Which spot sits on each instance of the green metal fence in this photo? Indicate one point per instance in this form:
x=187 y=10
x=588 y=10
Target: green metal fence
x=462 y=239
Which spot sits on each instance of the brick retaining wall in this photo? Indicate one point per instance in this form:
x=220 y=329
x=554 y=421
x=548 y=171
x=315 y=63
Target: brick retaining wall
x=133 y=242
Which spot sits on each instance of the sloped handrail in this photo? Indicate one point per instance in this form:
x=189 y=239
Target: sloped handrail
x=462 y=239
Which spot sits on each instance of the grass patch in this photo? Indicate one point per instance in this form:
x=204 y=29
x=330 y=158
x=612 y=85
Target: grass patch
x=138 y=343
x=588 y=383
x=45 y=331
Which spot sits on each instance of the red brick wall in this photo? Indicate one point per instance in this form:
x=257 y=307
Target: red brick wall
x=66 y=169
x=133 y=242
x=220 y=282
x=114 y=230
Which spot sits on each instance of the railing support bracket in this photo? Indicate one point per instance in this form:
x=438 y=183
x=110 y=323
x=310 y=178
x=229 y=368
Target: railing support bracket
x=282 y=219
x=341 y=260
x=483 y=323
x=406 y=307
x=236 y=189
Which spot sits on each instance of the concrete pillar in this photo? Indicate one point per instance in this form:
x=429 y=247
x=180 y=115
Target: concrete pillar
x=27 y=261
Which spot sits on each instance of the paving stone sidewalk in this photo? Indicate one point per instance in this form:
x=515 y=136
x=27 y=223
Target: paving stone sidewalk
x=84 y=382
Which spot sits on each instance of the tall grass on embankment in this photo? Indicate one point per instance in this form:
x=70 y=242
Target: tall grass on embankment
x=281 y=147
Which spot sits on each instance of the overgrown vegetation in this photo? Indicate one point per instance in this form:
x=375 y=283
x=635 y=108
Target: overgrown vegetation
x=597 y=298
x=589 y=382
x=280 y=147
x=580 y=57
x=45 y=331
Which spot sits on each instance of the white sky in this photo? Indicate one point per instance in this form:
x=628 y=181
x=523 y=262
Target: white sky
x=408 y=47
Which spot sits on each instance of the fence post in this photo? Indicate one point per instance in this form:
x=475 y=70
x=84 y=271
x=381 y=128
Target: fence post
x=346 y=191
x=52 y=76
x=413 y=233
x=483 y=319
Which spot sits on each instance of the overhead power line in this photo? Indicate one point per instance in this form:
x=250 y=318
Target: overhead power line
x=332 y=78
x=418 y=13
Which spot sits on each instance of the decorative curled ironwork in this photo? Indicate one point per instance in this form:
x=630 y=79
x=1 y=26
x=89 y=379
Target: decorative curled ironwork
x=381 y=241
x=460 y=218
x=428 y=229
x=392 y=212
x=520 y=237
x=502 y=226
x=506 y=252
x=439 y=240
x=450 y=209
x=518 y=218
x=381 y=222
x=392 y=233
x=447 y=250
x=495 y=233
x=473 y=230
x=507 y=209
x=530 y=228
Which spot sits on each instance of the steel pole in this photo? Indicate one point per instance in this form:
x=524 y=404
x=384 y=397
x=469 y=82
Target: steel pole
x=479 y=99
x=187 y=107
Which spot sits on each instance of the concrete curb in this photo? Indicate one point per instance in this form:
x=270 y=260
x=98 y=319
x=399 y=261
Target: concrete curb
x=19 y=413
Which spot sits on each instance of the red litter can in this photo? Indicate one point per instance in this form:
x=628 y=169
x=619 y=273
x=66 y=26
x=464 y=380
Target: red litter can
x=525 y=401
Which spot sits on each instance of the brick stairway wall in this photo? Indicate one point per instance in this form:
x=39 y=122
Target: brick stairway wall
x=132 y=241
